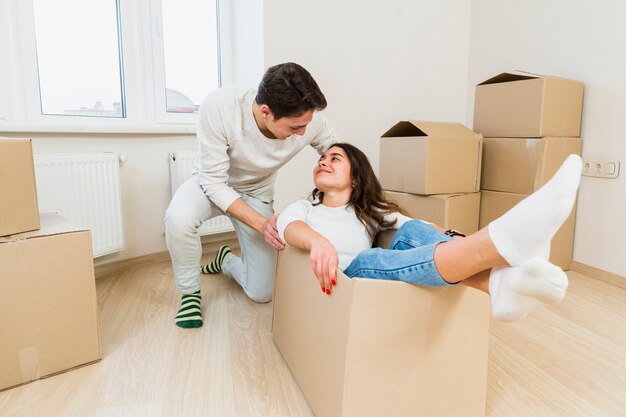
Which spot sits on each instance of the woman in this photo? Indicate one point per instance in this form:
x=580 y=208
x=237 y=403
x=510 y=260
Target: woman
x=508 y=259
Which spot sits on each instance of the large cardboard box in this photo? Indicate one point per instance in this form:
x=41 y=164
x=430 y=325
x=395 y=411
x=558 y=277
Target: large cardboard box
x=528 y=105
x=48 y=308
x=18 y=194
x=381 y=348
x=450 y=211
x=494 y=204
x=518 y=165
x=430 y=158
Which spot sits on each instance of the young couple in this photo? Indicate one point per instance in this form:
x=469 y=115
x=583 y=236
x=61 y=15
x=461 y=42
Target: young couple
x=508 y=259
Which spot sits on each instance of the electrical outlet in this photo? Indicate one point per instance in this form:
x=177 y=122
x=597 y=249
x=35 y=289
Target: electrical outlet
x=602 y=168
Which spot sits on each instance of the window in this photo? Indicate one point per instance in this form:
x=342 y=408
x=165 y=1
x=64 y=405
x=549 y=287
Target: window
x=79 y=57
x=191 y=53
x=187 y=36
x=110 y=65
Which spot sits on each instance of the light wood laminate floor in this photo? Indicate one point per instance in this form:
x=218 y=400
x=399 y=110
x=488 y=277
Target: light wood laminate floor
x=565 y=360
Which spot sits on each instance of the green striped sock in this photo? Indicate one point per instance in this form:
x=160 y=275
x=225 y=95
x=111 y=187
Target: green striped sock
x=216 y=265
x=189 y=316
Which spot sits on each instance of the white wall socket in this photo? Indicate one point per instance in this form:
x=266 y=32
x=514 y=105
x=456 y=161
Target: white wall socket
x=603 y=168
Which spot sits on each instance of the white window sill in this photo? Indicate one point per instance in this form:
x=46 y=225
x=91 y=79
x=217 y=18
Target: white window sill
x=73 y=128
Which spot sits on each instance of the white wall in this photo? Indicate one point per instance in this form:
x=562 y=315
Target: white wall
x=376 y=62
x=582 y=41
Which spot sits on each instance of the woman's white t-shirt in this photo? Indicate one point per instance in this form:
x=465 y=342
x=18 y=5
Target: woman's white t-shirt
x=339 y=225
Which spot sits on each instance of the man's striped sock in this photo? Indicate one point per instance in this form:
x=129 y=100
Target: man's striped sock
x=215 y=266
x=189 y=315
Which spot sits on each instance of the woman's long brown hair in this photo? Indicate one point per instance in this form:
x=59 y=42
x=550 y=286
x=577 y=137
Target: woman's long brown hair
x=367 y=198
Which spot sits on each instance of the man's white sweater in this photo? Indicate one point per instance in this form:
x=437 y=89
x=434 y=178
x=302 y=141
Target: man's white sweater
x=235 y=157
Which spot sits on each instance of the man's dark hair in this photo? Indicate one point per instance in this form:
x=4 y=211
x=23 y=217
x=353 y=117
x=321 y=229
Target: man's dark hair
x=289 y=91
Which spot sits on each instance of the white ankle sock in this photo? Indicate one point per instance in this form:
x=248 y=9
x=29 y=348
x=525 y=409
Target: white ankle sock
x=525 y=231
x=516 y=291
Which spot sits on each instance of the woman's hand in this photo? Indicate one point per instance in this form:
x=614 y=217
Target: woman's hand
x=324 y=261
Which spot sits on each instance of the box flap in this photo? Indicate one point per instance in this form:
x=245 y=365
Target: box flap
x=5 y=139
x=51 y=224
x=403 y=129
x=414 y=128
x=518 y=75
x=506 y=77
x=445 y=130
x=18 y=194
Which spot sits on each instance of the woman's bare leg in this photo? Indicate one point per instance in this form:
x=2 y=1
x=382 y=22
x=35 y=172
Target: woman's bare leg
x=460 y=259
x=480 y=281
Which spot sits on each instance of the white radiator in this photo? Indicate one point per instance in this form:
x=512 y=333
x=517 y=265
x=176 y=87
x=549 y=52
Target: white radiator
x=84 y=188
x=182 y=164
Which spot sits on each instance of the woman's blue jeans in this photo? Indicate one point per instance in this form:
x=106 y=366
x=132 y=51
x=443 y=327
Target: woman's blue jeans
x=409 y=257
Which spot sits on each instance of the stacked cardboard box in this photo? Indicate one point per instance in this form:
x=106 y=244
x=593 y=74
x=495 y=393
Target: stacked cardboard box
x=432 y=170
x=48 y=308
x=530 y=124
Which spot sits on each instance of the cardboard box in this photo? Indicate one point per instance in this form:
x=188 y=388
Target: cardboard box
x=450 y=211
x=430 y=158
x=18 y=193
x=494 y=204
x=381 y=348
x=48 y=308
x=527 y=105
x=522 y=166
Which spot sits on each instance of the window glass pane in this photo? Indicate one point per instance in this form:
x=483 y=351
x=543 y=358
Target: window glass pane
x=190 y=45
x=78 y=55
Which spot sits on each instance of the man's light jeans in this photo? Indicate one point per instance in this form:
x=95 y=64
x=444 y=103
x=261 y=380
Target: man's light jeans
x=189 y=208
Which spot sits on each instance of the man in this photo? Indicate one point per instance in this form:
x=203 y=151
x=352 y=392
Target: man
x=244 y=137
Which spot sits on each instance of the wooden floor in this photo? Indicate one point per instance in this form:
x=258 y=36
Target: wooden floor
x=566 y=360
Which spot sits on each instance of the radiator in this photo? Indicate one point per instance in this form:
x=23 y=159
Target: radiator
x=182 y=164
x=84 y=188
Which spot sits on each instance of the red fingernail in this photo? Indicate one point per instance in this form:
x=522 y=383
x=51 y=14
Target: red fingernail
x=333 y=282
x=327 y=291
x=323 y=290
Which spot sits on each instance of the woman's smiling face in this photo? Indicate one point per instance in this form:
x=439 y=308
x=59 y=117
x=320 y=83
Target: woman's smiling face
x=332 y=172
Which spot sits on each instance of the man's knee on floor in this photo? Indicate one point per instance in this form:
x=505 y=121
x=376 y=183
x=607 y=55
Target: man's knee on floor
x=260 y=297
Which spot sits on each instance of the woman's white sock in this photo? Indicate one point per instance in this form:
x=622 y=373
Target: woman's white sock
x=525 y=231
x=516 y=291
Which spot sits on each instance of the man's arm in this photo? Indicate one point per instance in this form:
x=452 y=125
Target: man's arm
x=213 y=170
x=250 y=217
x=214 y=161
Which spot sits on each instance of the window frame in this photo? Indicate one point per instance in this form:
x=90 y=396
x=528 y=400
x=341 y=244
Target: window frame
x=158 y=66
x=142 y=55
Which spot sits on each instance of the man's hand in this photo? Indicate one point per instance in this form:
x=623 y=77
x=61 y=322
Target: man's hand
x=250 y=217
x=324 y=261
x=271 y=233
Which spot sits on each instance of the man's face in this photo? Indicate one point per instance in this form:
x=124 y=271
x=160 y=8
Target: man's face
x=287 y=126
